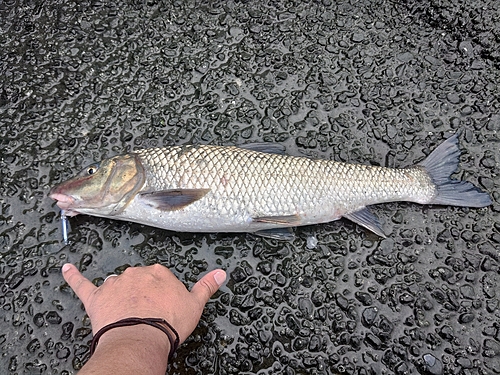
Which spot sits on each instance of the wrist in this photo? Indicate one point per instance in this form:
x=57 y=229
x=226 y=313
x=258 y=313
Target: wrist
x=158 y=323
x=140 y=335
x=129 y=350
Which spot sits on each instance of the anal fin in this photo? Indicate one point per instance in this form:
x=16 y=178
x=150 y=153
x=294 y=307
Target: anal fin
x=173 y=200
x=366 y=219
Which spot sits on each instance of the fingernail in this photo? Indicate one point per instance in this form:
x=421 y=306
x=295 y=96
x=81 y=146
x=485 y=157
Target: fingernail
x=66 y=267
x=220 y=277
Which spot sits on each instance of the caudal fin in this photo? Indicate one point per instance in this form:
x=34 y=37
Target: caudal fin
x=440 y=164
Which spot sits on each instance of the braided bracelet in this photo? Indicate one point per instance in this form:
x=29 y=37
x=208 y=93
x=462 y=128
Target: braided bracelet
x=153 y=322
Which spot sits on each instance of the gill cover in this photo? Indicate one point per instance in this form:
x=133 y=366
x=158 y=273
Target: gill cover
x=107 y=187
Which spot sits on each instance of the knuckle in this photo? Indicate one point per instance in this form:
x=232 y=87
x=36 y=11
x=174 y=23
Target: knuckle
x=207 y=286
x=130 y=270
x=157 y=267
x=74 y=281
x=158 y=270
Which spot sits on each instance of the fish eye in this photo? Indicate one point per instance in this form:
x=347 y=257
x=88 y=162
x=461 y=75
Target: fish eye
x=92 y=169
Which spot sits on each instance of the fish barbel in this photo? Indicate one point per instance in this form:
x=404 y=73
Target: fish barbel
x=255 y=188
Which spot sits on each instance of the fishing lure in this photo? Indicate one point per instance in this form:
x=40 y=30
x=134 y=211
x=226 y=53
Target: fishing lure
x=65 y=226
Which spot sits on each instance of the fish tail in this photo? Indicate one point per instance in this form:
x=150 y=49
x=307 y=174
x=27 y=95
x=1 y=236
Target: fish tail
x=440 y=165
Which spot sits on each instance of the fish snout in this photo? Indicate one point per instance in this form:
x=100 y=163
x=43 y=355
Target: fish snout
x=64 y=202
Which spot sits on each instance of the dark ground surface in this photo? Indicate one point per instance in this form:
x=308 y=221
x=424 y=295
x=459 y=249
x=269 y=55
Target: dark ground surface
x=371 y=81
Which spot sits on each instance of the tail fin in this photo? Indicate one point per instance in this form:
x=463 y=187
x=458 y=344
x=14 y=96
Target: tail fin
x=440 y=164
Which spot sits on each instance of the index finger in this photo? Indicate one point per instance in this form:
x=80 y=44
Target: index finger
x=79 y=283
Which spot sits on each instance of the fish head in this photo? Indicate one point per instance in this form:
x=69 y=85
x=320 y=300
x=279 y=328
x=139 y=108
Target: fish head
x=101 y=189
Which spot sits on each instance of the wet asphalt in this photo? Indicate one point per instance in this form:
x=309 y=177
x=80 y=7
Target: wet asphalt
x=380 y=82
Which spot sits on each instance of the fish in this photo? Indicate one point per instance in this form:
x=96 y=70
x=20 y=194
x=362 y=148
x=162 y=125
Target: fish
x=256 y=188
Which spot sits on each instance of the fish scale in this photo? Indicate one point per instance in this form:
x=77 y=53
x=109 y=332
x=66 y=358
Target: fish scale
x=267 y=184
x=255 y=188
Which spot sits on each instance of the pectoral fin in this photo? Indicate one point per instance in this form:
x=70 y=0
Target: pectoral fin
x=365 y=218
x=172 y=200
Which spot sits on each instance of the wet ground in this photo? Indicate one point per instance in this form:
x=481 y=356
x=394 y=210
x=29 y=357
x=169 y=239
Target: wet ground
x=379 y=82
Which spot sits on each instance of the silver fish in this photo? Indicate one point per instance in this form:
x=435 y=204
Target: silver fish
x=256 y=188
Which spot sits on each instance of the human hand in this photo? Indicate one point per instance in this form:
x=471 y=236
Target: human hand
x=144 y=292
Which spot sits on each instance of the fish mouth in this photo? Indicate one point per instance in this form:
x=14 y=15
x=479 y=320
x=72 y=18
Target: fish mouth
x=64 y=202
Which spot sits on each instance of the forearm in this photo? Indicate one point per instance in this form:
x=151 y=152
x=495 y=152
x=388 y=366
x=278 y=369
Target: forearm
x=139 y=349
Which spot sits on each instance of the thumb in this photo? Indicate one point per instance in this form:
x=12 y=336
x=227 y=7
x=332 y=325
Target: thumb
x=208 y=285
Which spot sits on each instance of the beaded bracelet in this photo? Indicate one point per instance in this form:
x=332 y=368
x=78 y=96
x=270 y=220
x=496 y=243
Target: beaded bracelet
x=153 y=322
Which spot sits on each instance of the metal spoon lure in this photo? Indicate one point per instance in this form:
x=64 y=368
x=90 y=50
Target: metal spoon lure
x=65 y=226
